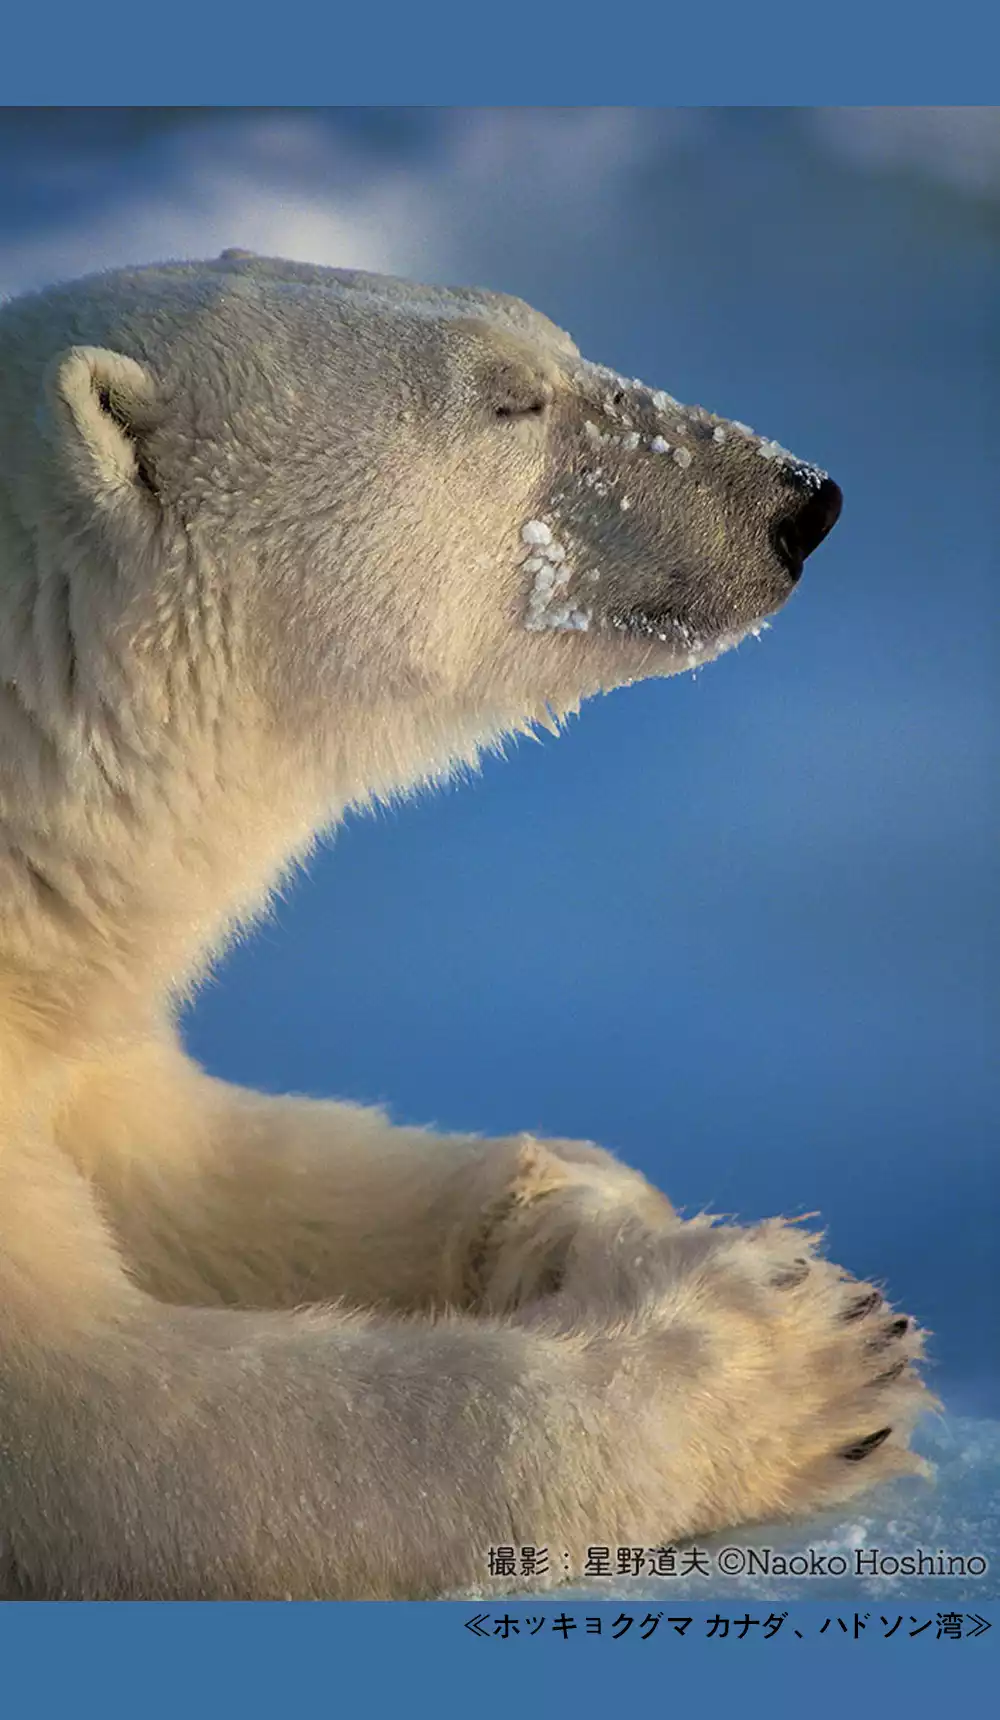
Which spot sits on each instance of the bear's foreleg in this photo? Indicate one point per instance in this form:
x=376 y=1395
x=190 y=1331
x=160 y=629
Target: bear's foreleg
x=221 y=1195
x=154 y=1452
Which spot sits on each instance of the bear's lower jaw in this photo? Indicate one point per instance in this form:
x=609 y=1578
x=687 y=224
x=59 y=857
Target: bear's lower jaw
x=664 y=645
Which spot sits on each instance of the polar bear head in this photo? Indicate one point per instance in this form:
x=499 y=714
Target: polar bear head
x=263 y=521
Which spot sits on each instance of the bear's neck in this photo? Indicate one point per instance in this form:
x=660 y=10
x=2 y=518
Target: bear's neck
x=113 y=901
x=116 y=896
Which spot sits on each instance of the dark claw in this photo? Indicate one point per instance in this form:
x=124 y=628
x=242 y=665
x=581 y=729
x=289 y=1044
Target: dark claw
x=864 y=1305
x=892 y=1373
x=895 y=1329
x=794 y=1275
x=864 y=1447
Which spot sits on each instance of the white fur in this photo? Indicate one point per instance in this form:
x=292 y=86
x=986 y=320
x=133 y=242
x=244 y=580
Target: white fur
x=263 y=534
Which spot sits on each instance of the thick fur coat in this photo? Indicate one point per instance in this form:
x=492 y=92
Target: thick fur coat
x=276 y=540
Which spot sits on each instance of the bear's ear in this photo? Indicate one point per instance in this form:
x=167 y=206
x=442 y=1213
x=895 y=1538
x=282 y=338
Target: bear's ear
x=103 y=406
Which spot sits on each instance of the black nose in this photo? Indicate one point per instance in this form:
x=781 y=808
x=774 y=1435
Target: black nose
x=797 y=535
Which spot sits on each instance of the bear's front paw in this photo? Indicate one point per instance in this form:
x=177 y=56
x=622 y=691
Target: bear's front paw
x=796 y=1384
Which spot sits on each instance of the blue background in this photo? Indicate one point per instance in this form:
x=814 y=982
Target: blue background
x=740 y=928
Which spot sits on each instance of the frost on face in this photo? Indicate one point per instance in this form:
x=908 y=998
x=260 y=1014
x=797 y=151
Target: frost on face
x=808 y=474
x=546 y=560
x=618 y=393
x=588 y=567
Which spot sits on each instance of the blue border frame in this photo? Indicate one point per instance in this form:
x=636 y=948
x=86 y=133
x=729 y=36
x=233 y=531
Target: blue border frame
x=163 y=1659
x=678 y=53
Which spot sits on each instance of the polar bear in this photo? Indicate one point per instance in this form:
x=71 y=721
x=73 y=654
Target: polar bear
x=276 y=540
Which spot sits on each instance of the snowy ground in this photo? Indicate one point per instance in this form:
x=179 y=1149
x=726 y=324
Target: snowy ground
x=959 y=1513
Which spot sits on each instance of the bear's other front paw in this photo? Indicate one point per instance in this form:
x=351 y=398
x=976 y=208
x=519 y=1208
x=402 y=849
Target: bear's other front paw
x=569 y=1217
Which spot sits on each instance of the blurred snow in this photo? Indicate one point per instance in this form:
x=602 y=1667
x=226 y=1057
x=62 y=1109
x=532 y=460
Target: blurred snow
x=280 y=184
x=251 y=184
x=956 y=146
x=958 y=1513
